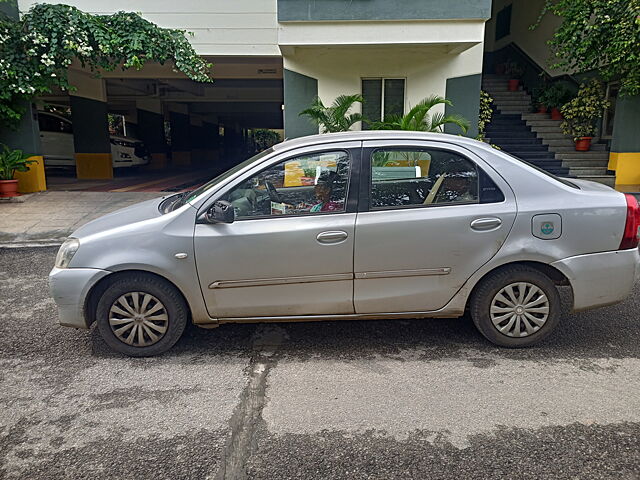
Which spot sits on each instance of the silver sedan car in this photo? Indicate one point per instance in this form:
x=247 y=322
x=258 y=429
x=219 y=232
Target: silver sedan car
x=357 y=225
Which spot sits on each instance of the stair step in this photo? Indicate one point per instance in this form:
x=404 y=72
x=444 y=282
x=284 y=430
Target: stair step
x=544 y=122
x=545 y=128
x=595 y=147
x=559 y=142
x=552 y=136
x=585 y=163
x=581 y=171
x=536 y=116
x=583 y=155
x=609 y=180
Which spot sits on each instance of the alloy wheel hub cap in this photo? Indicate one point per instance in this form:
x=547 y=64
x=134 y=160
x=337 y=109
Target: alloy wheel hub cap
x=519 y=309
x=138 y=319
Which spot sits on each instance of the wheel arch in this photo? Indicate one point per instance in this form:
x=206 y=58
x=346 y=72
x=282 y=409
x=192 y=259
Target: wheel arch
x=555 y=275
x=96 y=291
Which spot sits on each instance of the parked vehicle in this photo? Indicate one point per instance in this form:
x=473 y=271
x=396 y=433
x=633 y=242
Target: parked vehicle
x=356 y=225
x=56 y=137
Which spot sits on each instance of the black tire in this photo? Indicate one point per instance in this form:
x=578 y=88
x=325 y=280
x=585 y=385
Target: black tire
x=166 y=293
x=489 y=287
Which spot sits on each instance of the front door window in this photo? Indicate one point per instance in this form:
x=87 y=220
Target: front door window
x=309 y=184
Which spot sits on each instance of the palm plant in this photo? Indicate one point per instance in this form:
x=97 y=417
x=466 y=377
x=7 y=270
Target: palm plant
x=335 y=118
x=419 y=118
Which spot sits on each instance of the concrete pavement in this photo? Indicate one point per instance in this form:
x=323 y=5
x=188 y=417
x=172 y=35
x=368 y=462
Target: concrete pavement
x=50 y=217
x=332 y=400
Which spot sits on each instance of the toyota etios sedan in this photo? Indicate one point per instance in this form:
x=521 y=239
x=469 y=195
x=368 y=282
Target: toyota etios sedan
x=357 y=225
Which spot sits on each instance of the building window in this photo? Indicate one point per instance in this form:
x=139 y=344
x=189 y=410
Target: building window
x=382 y=97
x=503 y=22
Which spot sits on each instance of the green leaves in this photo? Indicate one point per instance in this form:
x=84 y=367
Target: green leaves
x=581 y=113
x=602 y=35
x=419 y=118
x=36 y=51
x=335 y=118
x=12 y=161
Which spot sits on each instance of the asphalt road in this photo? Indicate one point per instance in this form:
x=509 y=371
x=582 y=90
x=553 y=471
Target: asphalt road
x=350 y=400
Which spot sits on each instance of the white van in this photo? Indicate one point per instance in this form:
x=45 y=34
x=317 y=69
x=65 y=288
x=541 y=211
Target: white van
x=56 y=137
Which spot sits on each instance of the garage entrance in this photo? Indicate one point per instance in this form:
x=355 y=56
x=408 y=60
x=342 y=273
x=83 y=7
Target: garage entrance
x=155 y=130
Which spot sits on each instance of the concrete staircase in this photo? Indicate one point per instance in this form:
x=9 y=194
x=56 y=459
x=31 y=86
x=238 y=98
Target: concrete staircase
x=536 y=138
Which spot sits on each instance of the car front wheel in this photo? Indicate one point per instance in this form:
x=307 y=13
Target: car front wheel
x=141 y=315
x=515 y=307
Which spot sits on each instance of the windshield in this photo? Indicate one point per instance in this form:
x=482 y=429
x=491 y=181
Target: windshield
x=193 y=194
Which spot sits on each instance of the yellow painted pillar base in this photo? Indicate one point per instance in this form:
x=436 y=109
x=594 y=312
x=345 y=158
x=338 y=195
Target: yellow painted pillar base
x=34 y=180
x=627 y=168
x=181 y=159
x=94 y=166
x=158 y=161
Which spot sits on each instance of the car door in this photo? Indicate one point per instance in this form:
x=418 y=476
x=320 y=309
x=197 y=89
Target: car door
x=287 y=253
x=430 y=215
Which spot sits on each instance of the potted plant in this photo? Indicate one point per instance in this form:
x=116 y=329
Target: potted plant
x=555 y=96
x=11 y=161
x=581 y=114
x=538 y=100
x=515 y=72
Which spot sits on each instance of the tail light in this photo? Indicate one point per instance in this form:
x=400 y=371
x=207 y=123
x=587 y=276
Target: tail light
x=630 y=236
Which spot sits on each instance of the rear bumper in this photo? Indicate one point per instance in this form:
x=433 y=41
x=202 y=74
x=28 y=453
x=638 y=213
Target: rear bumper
x=69 y=288
x=601 y=279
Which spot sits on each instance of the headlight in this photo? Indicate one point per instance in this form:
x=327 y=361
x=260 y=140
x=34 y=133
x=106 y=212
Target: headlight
x=67 y=250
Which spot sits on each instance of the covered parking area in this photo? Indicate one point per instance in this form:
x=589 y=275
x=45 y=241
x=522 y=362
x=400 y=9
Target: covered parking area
x=188 y=131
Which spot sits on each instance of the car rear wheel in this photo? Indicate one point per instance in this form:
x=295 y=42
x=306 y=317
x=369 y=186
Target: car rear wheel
x=515 y=307
x=141 y=315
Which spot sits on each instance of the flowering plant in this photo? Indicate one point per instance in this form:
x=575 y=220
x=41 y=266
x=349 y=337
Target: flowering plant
x=581 y=113
x=37 y=50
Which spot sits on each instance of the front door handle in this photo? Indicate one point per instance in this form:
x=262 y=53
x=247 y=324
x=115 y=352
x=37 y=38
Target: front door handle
x=483 y=224
x=333 y=236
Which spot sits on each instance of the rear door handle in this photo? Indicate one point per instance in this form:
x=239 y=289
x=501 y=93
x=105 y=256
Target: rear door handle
x=333 y=236
x=483 y=224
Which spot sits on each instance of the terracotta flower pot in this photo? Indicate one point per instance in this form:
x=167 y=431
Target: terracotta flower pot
x=514 y=83
x=8 y=188
x=542 y=109
x=583 y=144
x=555 y=114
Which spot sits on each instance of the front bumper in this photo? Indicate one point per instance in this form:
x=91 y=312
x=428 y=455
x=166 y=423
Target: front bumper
x=69 y=288
x=601 y=279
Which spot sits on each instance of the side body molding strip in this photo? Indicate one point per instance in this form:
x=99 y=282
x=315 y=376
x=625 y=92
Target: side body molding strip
x=260 y=282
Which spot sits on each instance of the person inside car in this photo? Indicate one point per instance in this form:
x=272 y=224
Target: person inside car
x=323 y=191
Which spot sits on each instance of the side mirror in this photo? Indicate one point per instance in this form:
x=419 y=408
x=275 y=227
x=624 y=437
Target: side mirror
x=221 y=212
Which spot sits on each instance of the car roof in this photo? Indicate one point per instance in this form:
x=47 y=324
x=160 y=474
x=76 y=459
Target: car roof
x=374 y=135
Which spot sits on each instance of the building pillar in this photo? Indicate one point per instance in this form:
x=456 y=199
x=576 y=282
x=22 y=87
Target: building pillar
x=196 y=134
x=151 y=132
x=90 y=127
x=624 y=158
x=464 y=94
x=211 y=140
x=26 y=137
x=299 y=91
x=180 y=136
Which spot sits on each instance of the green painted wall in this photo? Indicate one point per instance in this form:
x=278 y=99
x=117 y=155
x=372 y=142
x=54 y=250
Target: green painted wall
x=90 y=125
x=625 y=125
x=26 y=135
x=464 y=93
x=299 y=92
x=151 y=131
x=10 y=9
x=332 y=10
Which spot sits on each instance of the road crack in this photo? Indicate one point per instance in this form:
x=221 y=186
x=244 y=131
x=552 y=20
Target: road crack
x=247 y=415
